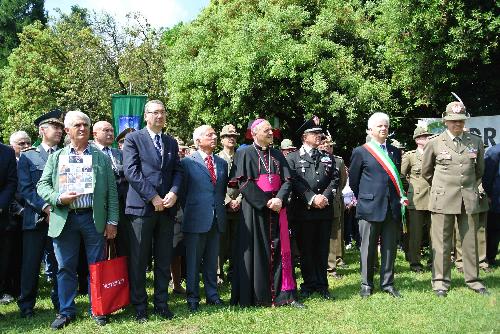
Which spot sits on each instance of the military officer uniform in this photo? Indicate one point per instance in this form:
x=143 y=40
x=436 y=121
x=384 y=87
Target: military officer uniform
x=481 y=235
x=336 y=253
x=314 y=173
x=232 y=217
x=454 y=167
x=419 y=217
x=35 y=221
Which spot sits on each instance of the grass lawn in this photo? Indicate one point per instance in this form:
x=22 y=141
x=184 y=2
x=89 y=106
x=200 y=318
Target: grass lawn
x=419 y=311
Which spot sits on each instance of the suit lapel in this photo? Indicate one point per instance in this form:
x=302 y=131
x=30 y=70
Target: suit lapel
x=43 y=154
x=95 y=163
x=200 y=163
x=449 y=142
x=466 y=142
x=152 y=147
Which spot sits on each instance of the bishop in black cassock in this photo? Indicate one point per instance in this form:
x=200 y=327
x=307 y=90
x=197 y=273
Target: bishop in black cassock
x=263 y=272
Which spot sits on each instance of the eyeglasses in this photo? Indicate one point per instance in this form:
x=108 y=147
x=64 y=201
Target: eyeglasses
x=156 y=113
x=24 y=143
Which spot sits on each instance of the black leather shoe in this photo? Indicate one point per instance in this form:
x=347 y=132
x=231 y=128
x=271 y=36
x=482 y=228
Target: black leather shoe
x=326 y=295
x=417 y=269
x=164 y=312
x=305 y=294
x=297 y=304
x=101 y=320
x=60 y=322
x=28 y=314
x=393 y=292
x=216 y=302
x=441 y=293
x=482 y=291
x=141 y=316
x=193 y=306
x=365 y=291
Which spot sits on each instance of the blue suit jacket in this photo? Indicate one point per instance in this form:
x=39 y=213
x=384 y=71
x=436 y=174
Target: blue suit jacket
x=30 y=169
x=8 y=180
x=491 y=176
x=147 y=175
x=372 y=186
x=200 y=198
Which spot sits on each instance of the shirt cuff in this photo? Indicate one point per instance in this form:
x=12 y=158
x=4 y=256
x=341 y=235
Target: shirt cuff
x=47 y=204
x=112 y=223
x=311 y=201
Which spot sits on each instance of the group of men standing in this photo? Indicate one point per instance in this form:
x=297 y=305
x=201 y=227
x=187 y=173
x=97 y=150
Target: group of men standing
x=242 y=203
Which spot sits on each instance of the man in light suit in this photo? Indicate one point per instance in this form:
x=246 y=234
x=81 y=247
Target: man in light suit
x=205 y=182
x=103 y=134
x=152 y=167
x=37 y=211
x=379 y=207
x=75 y=216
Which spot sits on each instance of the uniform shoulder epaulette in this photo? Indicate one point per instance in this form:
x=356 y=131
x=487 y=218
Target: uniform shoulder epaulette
x=32 y=148
x=409 y=152
x=475 y=135
x=434 y=136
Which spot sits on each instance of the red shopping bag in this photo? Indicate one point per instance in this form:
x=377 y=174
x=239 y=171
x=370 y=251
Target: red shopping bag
x=109 y=285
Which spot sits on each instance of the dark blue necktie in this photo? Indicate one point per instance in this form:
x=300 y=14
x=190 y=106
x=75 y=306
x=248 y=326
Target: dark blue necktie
x=158 y=146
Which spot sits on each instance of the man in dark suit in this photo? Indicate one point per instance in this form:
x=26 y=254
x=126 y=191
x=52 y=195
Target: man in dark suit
x=37 y=211
x=379 y=203
x=315 y=181
x=8 y=186
x=104 y=137
x=491 y=185
x=152 y=167
x=204 y=191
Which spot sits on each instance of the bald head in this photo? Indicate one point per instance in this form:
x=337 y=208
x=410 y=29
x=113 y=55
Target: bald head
x=103 y=133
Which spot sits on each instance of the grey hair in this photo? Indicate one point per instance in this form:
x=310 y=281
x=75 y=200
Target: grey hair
x=147 y=106
x=377 y=117
x=18 y=135
x=200 y=131
x=72 y=116
x=258 y=126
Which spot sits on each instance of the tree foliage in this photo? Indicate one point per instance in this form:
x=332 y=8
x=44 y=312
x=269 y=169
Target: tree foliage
x=339 y=59
x=14 y=15
x=76 y=63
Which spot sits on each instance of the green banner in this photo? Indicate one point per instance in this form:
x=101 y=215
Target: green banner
x=128 y=111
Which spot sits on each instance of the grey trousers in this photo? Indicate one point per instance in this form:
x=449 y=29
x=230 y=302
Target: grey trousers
x=370 y=232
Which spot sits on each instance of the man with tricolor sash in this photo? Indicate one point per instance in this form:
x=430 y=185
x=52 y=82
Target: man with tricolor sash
x=374 y=179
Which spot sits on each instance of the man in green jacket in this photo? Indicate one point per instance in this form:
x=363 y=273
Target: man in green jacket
x=79 y=184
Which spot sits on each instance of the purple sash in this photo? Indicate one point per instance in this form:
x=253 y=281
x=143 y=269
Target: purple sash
x=269 y=183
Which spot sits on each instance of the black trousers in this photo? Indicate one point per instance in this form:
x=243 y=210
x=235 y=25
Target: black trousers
x=370 y=232
x=157 y=229
x=34 y=242
x=10 y=262
x=313 y=239
x=492 y=236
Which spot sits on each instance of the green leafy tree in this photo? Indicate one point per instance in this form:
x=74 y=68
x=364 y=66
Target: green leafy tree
x=287 y=59
x=14 y=15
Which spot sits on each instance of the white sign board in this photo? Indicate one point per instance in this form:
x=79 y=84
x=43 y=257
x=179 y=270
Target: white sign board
x=487 y=127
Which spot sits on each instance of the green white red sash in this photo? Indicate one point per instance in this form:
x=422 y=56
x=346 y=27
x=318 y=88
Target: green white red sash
x=385 y=161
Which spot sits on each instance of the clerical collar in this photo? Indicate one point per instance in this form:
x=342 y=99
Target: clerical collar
x=452 y=136
x=260 y=147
